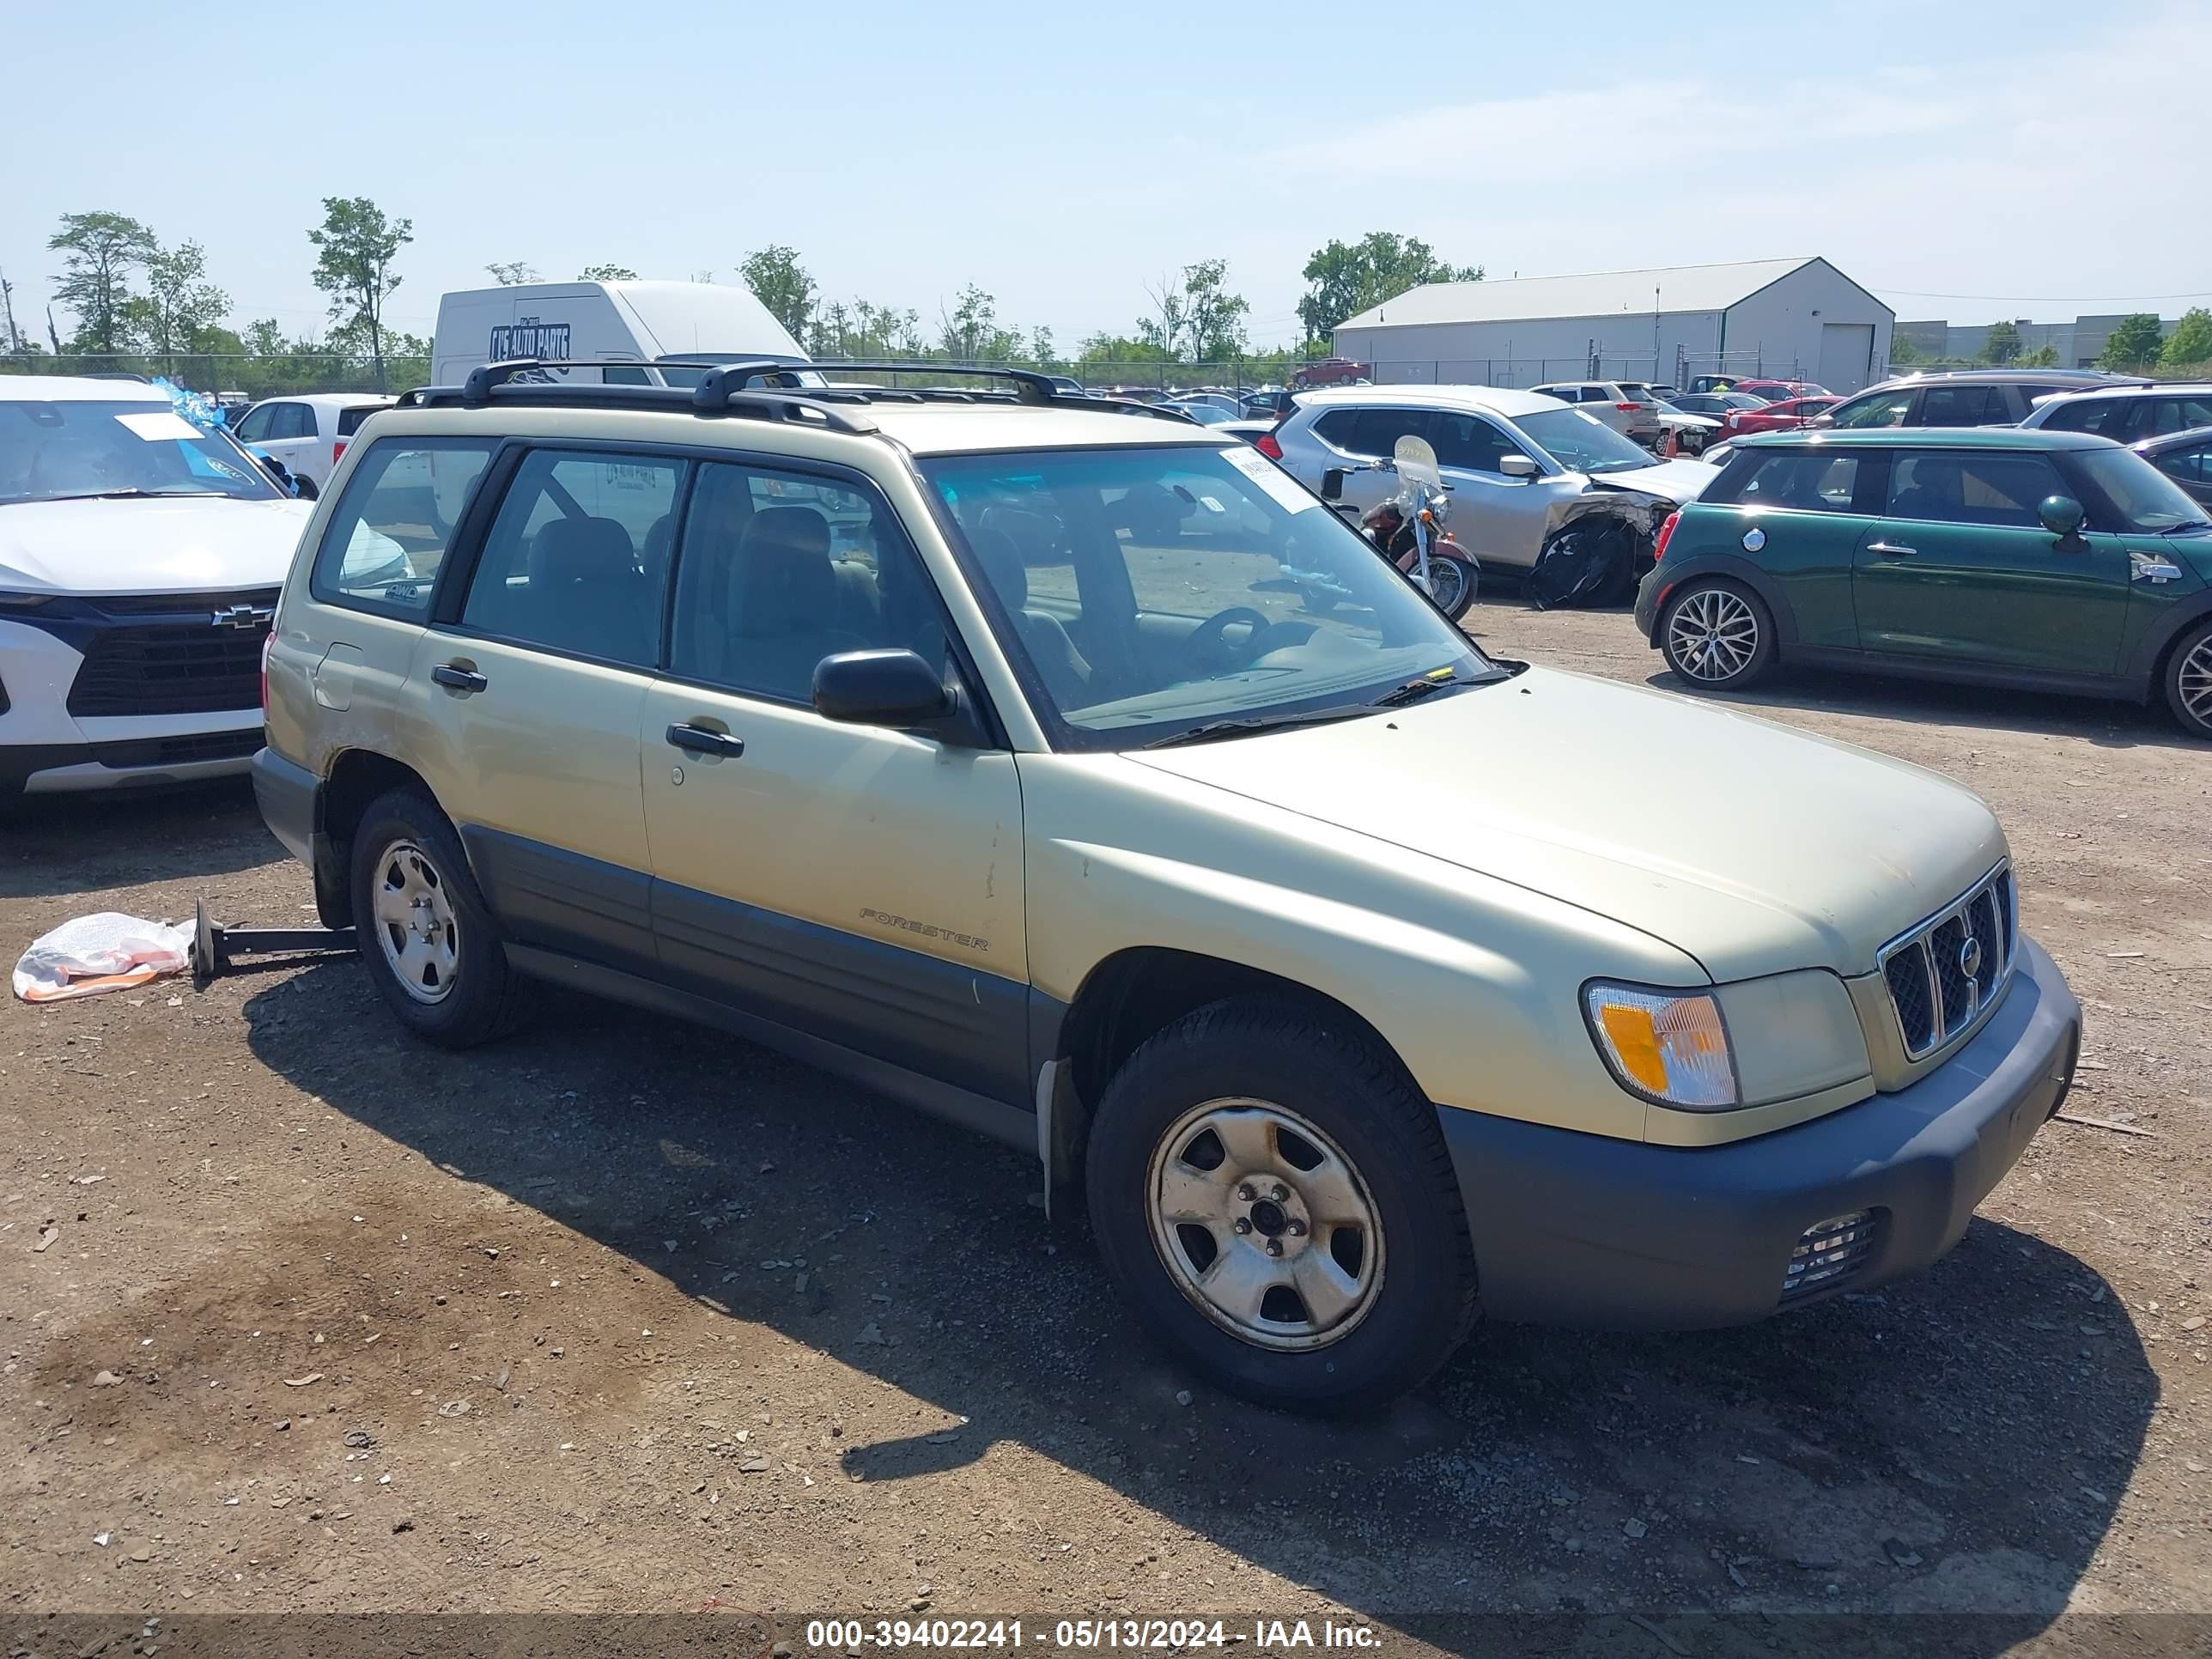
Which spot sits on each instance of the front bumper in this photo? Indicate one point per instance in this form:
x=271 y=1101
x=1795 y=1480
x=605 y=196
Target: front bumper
x=1572 y=1229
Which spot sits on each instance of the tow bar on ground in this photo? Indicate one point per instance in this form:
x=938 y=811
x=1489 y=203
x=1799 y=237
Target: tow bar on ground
x=214 y=946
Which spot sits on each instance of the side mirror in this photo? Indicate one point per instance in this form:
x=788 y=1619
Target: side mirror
x=1332 y=484
x=1518 y=466
x=879 y=688
x=2061 y=515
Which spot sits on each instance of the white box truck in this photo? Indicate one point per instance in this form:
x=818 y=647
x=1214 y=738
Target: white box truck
x=630 y=327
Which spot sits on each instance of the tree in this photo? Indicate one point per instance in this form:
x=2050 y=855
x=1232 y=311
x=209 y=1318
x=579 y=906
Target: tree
x=514 y=273
x=2134 y=343
x=1902 y=350
x=862 y=329
x=2044 y=356
x=358 y=246
x=103 y=249
x=1214 y=319
x=970 y=332
x=2002 y=343
x=1344 y=279
x=606 y=274
x=180 y=309
x=2191 y=342
x=783 y=284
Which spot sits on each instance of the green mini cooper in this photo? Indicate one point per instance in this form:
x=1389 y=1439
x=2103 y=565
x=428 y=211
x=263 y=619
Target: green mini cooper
x=2045 y=560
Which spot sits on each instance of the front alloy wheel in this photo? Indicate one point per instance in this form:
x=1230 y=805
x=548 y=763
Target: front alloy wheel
x=1717 y=637
x=1264 y=1223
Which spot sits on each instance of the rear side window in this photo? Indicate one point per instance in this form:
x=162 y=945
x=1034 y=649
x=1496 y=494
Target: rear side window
x=2191 y=466
x=2164 y=414
x=1964 y=405
x=350 y=420
x=1963 y=487
x=1799 y=480
x=1881 y=409
x=1372 y=431
x=575 y=560
x=1469 y=442
x=389 y=536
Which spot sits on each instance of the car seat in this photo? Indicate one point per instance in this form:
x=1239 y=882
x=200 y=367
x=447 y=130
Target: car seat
x=1065 y=672
x=783 y=602
x=584 y=592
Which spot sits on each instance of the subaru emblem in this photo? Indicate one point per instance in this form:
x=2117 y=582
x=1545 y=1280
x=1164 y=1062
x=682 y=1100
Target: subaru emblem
x=1970 y=956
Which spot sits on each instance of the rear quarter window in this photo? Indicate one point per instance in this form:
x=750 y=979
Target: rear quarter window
x=386 y=542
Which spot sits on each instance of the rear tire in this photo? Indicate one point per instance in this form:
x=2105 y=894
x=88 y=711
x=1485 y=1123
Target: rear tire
x=2189 y=681
x=1716 y=635
x=1373 y=1285
x=425 y=934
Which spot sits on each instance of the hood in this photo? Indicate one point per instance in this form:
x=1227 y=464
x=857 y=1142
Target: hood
x=1755 y=848
x=181 y=544
x=1679 y=482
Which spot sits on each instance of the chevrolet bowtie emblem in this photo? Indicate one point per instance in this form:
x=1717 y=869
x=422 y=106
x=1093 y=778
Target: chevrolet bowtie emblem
x=243 y=616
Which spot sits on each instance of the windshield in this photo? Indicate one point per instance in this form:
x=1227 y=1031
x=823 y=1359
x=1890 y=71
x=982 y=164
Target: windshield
x=2147 y=501
x=1582 y=443
x=1205 y=414
x=52 y=452
x=1144 y=593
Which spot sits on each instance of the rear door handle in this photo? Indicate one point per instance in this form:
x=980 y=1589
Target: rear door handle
x=698 y=740
x=458 y=678
x=1891 y=550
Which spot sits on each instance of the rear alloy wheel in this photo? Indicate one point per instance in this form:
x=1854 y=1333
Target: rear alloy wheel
x=2189 y=681
x=1716 y=635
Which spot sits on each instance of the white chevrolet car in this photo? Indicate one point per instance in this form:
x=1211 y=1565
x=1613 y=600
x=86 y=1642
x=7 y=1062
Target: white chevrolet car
x=140 y=560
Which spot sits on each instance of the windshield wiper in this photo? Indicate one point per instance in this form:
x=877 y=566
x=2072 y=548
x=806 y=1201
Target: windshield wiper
x=121 y=494
x=1414 y=690
x=2187 y=528
x=1238 y=728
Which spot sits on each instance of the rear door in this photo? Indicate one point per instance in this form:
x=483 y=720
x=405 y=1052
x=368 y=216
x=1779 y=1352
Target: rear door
x=1960 y=571
x=1803 y=515
x=532 y=684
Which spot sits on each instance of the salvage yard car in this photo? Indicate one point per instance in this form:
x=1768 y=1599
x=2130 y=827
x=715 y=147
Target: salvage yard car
x=1519 y=463
x=976 y=748
x=140 y=557
x=2048 y=561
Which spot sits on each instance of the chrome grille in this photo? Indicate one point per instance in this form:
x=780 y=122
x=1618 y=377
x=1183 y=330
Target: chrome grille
x=1829 y=1250
x=1943 y=973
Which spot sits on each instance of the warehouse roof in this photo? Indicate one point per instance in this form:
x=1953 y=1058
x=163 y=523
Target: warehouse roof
x=1679 y=288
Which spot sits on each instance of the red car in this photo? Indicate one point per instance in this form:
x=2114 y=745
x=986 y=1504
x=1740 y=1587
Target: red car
x=1330 y=371
x=1789 y=414
x=1777 y=391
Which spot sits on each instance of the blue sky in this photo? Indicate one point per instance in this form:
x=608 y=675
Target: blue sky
x=1964 y=160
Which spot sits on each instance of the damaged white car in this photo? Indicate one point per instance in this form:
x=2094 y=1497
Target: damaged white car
x=1521 y=466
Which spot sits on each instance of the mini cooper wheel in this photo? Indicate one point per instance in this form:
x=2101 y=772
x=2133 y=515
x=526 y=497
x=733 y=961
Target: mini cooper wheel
x=1716 y=635
x=426 y=936
x=1273 y=1195
x=2189 y=681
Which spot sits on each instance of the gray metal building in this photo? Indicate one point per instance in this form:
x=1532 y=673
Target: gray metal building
x=1786 y=318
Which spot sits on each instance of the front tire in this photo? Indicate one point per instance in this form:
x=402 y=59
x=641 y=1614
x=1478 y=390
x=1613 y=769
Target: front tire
x=1718 y=636
x=1453 y=583
x=2189 y=681
x=1273 y=1197
x=424 y=932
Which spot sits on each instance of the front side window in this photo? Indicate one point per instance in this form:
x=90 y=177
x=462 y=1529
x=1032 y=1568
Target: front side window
x=777 y=570
x=1801 y=480
x=1883 y=409
x=575 y=559
x=1964 y=487
x=254 y=428
x=52 y=452
x=2103 y=416
x=1581 y=442
x=1149 y=591
x=2191 y=464
x=387 y=540
x=2142 y=498
x=1964 y=405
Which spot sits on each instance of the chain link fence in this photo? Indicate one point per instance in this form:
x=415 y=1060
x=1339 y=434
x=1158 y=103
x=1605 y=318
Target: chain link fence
x=232 y=376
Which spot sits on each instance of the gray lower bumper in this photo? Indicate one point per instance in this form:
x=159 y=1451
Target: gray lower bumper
x=290 y=799
x=1580 y=1229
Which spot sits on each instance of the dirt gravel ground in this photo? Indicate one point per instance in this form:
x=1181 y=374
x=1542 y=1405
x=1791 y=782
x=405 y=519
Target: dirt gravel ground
x=623 y=1315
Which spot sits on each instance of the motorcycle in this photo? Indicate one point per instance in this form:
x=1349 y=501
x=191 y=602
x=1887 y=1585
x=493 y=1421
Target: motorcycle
x=1408 y=530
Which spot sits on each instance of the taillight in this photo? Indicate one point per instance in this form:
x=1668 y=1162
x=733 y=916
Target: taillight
x=338 y=449
x=1266 y=444
x=1628 y=406
x=267 y=640
x=1666 y=534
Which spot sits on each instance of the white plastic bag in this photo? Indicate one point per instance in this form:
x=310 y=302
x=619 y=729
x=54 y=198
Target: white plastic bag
x=105 y=953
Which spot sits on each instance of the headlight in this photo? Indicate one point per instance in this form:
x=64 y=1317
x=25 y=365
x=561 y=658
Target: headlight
x=1669 y=1047
x=1750 y=1043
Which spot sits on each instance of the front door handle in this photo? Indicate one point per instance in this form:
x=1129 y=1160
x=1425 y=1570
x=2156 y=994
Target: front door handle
x=1891 y=550
x=699 y=740
x=452 y=674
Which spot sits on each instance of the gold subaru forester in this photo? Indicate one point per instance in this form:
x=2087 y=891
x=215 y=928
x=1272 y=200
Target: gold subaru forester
x=985 y=746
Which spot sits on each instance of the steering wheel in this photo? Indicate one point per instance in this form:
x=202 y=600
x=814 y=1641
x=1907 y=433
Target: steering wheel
x=1205 y=643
